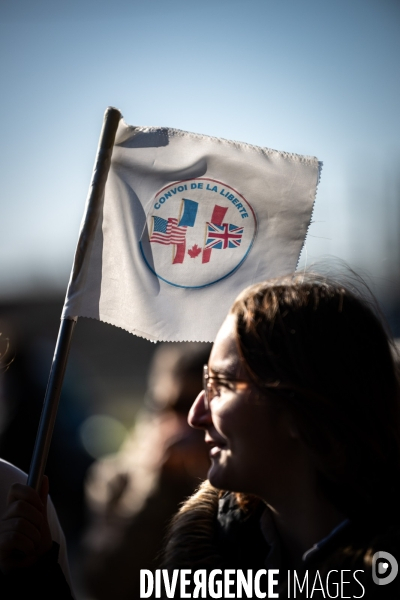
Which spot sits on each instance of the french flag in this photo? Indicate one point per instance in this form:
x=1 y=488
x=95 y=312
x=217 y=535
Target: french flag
x=187 y=219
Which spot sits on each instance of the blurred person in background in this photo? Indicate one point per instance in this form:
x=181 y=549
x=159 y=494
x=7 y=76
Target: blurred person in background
x=13 y=491
x=22 y=394
x=132 y=495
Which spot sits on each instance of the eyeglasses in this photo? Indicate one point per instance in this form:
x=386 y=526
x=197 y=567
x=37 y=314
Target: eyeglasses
x=216 y=386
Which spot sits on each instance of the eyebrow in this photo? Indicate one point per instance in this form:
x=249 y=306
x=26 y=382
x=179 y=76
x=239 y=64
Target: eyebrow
x=222 y=371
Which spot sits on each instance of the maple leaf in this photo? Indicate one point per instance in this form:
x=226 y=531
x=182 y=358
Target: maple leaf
x=194 y=251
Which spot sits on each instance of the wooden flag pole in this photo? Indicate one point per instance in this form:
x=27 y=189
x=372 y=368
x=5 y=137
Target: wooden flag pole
x=112 y=117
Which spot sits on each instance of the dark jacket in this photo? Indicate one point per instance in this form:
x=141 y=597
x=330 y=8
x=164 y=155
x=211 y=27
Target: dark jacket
x=44 y=580
x=221 y=530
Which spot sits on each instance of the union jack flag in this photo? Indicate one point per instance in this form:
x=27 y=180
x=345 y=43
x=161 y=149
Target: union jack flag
x=223 y=236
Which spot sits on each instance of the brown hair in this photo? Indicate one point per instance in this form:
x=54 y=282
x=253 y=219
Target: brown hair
x=326 y=357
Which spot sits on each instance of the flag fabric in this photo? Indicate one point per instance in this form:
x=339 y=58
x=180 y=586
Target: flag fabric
x=187 y=222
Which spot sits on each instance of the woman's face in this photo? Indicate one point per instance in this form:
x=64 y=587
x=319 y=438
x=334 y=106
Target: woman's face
x=252 y=447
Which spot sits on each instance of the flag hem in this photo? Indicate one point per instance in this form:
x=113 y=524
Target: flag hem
x=261 y=149
x=139 y=333
x=320 y=167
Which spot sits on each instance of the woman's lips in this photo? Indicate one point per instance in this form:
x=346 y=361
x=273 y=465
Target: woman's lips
x=215 y=447
x=215 y=450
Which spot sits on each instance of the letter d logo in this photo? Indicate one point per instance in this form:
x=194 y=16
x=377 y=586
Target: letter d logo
x=381 y=561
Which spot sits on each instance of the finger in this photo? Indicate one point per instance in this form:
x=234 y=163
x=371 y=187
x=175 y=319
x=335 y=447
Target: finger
x=19 y=491
x=21 y=509
x=19 y=527
x=12 y=541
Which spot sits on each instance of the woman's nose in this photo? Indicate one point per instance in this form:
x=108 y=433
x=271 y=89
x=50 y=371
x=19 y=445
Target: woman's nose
x=199 y=417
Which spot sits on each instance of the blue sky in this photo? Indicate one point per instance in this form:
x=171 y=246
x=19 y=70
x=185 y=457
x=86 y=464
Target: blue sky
x=309 y=77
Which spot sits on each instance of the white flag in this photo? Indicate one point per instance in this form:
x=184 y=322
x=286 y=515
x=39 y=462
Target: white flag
x=188 y=221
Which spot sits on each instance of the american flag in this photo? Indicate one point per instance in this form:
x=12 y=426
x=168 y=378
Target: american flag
x=223 y=236
x=167 y=231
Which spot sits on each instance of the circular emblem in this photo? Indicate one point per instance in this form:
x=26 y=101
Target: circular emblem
x=198 y=232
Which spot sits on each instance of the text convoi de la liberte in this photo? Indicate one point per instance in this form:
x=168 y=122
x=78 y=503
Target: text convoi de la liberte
x=210 y=187
x=236 y=583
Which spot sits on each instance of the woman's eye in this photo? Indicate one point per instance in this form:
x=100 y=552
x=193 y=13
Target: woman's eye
x=222 y=385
